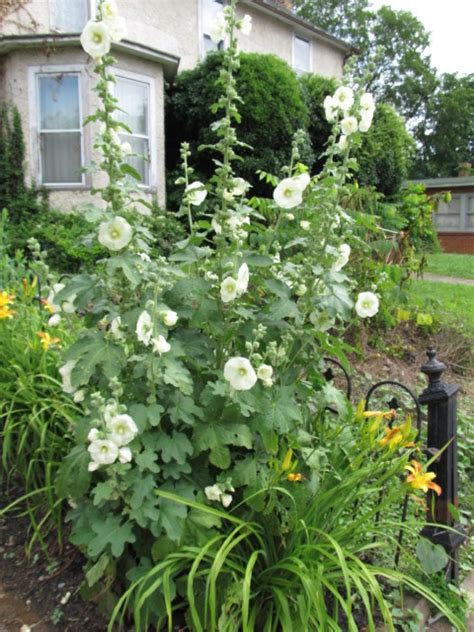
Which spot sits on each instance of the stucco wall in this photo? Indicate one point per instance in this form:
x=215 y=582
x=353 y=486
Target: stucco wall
x=16 y=89
x=272 y=35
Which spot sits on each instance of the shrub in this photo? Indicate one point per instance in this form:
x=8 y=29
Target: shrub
x=272 y=109
x=314 y=89
x=385 y=153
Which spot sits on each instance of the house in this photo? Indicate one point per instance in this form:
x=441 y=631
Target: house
x=454 y=220
x=45 y=73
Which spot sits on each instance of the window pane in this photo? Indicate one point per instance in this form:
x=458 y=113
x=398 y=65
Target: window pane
x=70 y=16
x=133 y=97
x=61 y=157
x=209 y=45
x=59 y=102
x=141 y=162
x=302 y=54
x=209 y=10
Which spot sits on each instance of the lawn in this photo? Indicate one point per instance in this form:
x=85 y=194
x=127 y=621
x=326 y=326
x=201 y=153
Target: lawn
x=451 y=265
x=450 y=303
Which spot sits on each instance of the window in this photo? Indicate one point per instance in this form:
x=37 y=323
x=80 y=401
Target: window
x=134 y=98
x=59 y=123
x=209 y=10
x=301 y=54
x=71 y=17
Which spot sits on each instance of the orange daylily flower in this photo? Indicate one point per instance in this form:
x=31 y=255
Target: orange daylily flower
x=397 y=436
x=6 y=312
x=6 y=299
x=421 y=480
x=294 y=477
x=47 y=340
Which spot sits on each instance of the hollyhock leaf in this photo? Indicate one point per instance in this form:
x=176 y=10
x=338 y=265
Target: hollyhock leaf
x=220 y=457
x=128 y=170
x=154 y=413
x=172 y=517
x=146 y=460
x=97 y=571
x=93 y=351
x=139 y=413
x=184 y=410
x=176 y=374
x=127 y=265
x=175 y=470
x=110 y=533
x=177 y=447
x=103 y=491
x=73 y=477
x=245 y=472
x=142 y=487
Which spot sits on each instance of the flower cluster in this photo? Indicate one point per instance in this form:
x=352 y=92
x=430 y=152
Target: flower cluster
x=234 y=288
x=111 y=443
x=219 y=492
x=219 y=27
x=98 y=35
x=342 y=107
x=6 y=300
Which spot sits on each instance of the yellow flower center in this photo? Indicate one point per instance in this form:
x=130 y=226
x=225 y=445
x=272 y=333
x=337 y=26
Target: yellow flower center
x=242 y=371
x=104 y=449
x=97 y=37
x=114 y=233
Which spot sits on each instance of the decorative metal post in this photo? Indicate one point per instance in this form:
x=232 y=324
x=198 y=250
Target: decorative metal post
x=441 y=401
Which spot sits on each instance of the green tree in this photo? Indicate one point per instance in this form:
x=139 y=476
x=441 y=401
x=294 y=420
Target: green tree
x=449 y=134
x=404 y=76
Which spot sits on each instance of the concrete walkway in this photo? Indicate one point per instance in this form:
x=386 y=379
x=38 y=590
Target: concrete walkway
x=427 y=276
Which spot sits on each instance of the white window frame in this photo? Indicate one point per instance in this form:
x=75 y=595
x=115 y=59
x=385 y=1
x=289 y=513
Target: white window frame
x=202 y=50
x=150 y=82
x=34 y=72
x=310 y=42
x=91 y=11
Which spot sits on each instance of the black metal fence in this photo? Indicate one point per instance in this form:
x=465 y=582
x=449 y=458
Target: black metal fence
x=441 y=437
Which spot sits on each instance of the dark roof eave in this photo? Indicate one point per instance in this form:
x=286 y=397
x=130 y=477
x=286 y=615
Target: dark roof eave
x=320 y=33
x=444 y=183
x=169 y=62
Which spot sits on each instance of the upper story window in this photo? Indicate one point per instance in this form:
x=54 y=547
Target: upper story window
x=70 y=16
x=301 y=54
x=59 y=125
x=134 y=97
x=209 y=10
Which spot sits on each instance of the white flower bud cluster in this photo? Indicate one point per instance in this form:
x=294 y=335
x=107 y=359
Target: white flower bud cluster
x=219 y=492
x=341 y=107
x=111 y=443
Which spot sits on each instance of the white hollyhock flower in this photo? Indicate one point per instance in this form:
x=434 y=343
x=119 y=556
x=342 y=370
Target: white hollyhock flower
x=229 y=290
x=367 y=102
x=161 y=345
x=344 y=98
x=122 y=429
x=343 y=143
x=116 y=328
x=95 y=39
x=170 y=318
x=125 y=455
x=79 y=396
x=218 y=28
x=115 y=234
x=330 y=109
x=68 y=306
x=305 y=225
x=303 y=180
x=365 y=122
x=57 y=287
x=144 y=329
x=54 y=320
x=240 y=374
x=226 y=499
x=126 y=148
x=117 y=28
x=196 y=193
x=344 y=252
x=65 y=372
x=109 y=10
x=243 y=277
x=235 y=222
x=265 y=373
x=301 y=290
x=246 y=25
x=289 y=216
x=216 y=227
x=103 y=452
x=213 y=492
x=288 y=193
x=349 y=125
x=367 y=305
x=240 y=186
x=93 y=435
